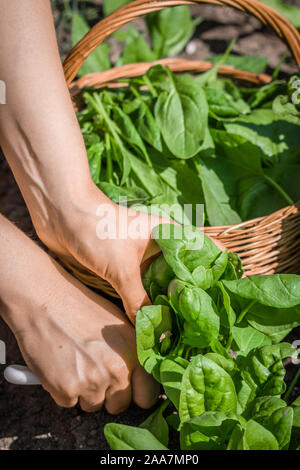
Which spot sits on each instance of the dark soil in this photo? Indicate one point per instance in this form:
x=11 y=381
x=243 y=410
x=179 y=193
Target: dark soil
x=29 y=419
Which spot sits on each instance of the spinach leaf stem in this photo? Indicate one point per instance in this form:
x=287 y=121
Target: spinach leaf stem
x=278 y=188
x=245 y=311
x=292 y=385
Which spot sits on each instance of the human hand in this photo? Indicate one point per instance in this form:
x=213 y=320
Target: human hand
x=79 y=235
x=109 y=240
x=82 y=348
x=47 y=154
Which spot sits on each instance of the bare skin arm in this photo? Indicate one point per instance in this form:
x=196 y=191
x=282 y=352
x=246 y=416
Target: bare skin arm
x=42 y=142
x=39 y=130
x=80 y=345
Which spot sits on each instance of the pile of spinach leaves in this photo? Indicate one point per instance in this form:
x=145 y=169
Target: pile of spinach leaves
x=213 y=341
x=167 y=139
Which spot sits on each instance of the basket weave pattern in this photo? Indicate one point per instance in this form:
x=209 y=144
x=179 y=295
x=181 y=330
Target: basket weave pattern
x=266 y=245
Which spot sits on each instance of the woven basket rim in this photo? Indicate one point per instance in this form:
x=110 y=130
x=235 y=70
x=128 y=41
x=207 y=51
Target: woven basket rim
x=111 y=78
x=104 y=28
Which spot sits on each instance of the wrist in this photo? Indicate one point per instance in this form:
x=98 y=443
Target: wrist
x=53 y=174
x=63 y=213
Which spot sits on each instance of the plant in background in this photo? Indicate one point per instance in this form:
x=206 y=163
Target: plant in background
x=213 y=341
x=111 y=5
x=168 y=31
x=291 y=12
x=99 y=59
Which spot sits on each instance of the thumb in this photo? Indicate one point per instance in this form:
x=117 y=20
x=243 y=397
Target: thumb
x=145 y=390
x=133 y=295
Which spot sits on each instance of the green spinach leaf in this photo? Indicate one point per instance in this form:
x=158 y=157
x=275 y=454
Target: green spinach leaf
x=122 y=437
x=181 y=114
x=98 y=60
x=206 y=387
x=152 y=323
x=170 y=30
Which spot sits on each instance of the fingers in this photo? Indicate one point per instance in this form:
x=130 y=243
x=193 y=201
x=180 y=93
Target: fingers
x=92 y=403
x=145 y=390
x=133 y=294
x=140 y=387
x=64 y=400
x=117 y=399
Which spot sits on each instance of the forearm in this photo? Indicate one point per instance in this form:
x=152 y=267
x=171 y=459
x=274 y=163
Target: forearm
x=26 y=274
x=39 y=132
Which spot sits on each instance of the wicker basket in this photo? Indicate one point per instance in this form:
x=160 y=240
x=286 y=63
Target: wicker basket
x=267 y=244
